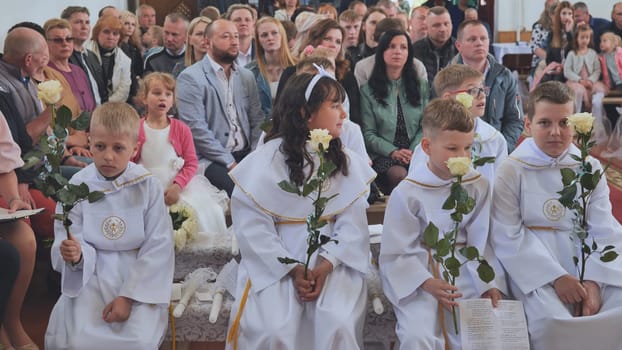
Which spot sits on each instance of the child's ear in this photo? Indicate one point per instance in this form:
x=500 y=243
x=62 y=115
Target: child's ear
x=425 y=145
x=527 y=126
x=445 y=95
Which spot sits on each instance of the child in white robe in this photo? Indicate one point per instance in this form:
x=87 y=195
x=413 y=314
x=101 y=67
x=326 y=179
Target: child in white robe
x=532 y=235
x=117 y=264
x=276 y=307
x=421 y=299
x=488 y=141
x=166 y=148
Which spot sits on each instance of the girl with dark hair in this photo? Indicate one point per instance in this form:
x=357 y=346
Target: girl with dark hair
x=325 y=309
x=392 y=103
x=327 y=33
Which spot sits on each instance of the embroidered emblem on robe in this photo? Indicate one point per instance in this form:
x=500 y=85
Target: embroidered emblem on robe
x=553 y=210
x=113 y=227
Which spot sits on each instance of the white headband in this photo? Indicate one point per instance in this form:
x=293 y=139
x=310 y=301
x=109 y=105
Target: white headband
x=321 y=72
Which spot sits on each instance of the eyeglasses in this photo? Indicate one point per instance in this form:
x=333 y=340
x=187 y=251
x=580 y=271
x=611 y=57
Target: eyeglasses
x=60 y=41
x=475 y=92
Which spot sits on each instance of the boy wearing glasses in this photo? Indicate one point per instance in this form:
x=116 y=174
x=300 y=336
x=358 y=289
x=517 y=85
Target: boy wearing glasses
x=457 y=79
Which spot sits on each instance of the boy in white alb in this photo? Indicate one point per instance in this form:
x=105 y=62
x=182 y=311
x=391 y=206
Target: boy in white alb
x=461 y=79
x=117 y=264
x=421 y=298
x=531 y=235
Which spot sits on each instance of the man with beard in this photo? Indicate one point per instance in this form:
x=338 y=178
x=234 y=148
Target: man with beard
x=219 y=101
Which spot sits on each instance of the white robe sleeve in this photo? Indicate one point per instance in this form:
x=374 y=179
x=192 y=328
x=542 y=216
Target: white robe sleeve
x=401 y=253
x=260 y=245
x=73 y=279
x=522 y=254
x=606 y=230
x=151 y=275
x=350 y=229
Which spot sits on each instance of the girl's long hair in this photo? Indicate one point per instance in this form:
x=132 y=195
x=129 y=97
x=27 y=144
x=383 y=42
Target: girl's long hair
x=290 y=122
x=558 y=34
x=379 y=82
x=285 y=57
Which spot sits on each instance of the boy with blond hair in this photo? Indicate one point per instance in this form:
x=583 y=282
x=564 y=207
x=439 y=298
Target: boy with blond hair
x=117 y=263
x=421 y=299
x=459 y=81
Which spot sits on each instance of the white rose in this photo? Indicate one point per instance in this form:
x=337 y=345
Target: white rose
x=581 y=122
x=174 y=208
x=458 y=166
x=179 y=237
x=465 y=99
x=317 y=137
x=49 y=91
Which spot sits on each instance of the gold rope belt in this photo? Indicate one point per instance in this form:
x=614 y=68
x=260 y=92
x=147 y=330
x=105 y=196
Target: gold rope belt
x=235 y=326
x=435 y=268
x=301 y=222
x=543 y=228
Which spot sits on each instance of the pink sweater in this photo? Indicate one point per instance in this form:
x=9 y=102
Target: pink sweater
x=180 y=137
x=605 y=71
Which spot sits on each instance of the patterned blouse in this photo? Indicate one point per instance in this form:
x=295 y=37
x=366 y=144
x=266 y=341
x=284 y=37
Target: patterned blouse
x=539 y=36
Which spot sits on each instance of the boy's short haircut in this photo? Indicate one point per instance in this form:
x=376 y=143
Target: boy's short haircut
x=443 y=114
x=550 y=91
x=354 y=3
x=70 y=10
x=290 y=29
x=157 y=32
x=452 y=76
x=118 y=118
x=349 y=16
x=306 y=64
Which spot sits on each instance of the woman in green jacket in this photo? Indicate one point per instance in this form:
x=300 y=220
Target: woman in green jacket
x=392 y=104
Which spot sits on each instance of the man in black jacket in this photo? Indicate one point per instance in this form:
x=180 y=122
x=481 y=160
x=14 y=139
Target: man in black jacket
x=438 y=48
x=78 y=17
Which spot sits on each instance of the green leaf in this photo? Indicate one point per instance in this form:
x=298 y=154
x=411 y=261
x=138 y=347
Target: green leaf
x=60 y=131
x=82 y=190
x=456 y=216
x=63 y=117
x=587 y=182
x=568 y=176
x=310 y=187
x=446 y=275
x=576 y=157
x=289 y=187
x=609 y=247
x=288 y=261
x=485 y=272
x=455 y=272
x=450 y=202
x=567 y=196
x=469 y=205
x=329 y=167
x=430 y=235
x=482 y=161
x=586 y=249
x=452 y=263
x=471 y=253
x=95 y=196
x=596 y=178
x=575 y=260
x=609 y=256
x=82 y=122
x=59 y=217
x=443 y=246
x=594 y=245
x=266 y=126
x=65 y=196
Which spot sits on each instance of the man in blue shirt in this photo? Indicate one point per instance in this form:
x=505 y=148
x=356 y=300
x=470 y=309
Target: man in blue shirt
x=598 y=25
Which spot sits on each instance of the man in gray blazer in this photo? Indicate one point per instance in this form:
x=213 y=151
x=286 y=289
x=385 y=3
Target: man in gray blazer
x=219 y=101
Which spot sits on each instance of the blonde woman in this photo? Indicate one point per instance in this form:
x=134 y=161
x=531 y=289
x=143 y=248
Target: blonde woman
x=130 y=43
x=195 y=40
x=271 y=58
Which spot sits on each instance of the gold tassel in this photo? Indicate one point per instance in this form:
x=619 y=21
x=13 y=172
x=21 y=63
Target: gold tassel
x=434 y=266
x=233 y=331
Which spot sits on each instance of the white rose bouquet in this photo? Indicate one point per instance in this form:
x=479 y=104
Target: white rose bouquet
x=319 y=142
x=185 y=226
x=50 y=153
x=578 y=188
x=445 y=247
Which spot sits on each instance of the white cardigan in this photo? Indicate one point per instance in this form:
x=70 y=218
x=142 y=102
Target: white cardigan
x=121 y=73
x=574 y=63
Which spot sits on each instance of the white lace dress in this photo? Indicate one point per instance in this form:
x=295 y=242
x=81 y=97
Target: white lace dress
x=159 y=157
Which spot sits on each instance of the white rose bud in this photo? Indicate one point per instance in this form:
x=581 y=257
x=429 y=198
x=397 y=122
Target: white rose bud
x=49 y=92
x=179 y=237
x=458 y=166
x=581 y=122
x=317 y=137
x=465 y=99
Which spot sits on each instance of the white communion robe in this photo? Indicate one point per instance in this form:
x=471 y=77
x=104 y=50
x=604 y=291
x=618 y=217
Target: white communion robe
x=531 y=237
x=405 y=261
x=270 y=223
x=127 y=249
x=488 y=142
